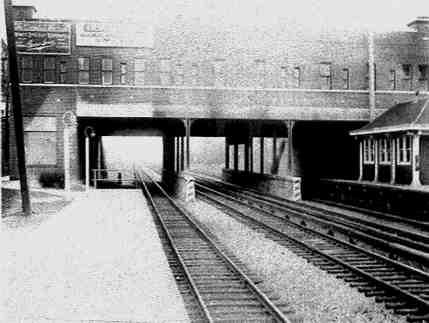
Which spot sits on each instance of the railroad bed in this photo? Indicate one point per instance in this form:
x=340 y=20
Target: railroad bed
x=399 y=287
x=216 y=286
x=393 y=236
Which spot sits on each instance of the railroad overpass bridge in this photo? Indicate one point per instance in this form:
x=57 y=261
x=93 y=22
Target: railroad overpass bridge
x=306 y=129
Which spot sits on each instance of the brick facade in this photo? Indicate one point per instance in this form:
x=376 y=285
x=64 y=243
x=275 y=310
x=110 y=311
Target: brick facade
x=272 y=74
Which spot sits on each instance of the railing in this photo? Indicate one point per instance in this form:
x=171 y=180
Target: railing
x=113 y=178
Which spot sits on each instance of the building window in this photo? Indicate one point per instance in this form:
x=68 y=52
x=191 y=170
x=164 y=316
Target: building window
x=26 y=69
x=180 y=75
x=404 y=150
x=106 y=71
x=423 y=72
x=297 y=76
x=123 y=73
x=139 y=71
x=345 y=75
x=407 y=75
x=375 y=75
x=165 y=71
x=368 y=151
x=392 y=80
x=384 y=151
x=326 y=76
x=63 y=72
x=49 y=69
x=283 y=76
x=83 y=70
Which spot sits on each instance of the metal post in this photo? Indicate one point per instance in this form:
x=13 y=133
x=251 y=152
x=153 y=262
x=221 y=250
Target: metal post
x=360 y=160
x=16 y=103
x=235 y=157
x=290 y=152
x=376 y=152
x=87 y=175
x=177 y=154
x=66 y=159
x=274 y=149
x=261 y=146
x=182 y=153
x=251 y=154
x=188 y=135
x=226 y=153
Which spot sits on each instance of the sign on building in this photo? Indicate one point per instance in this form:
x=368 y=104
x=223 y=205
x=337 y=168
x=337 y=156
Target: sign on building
x=42 y=37
x=116 y=34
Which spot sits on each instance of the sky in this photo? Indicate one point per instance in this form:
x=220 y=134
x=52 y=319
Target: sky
x=376 y=15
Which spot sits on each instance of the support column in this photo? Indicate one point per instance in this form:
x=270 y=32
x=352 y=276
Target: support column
x=376 y=149
x=261 y=146
x=235 y=157
x=360 y=160
x=251 y=153
x=226 y=153
x=290 y=151
x=392 y=160
x=188 y=135
x=246 y=156
x=415 y=161
x=182 y=153
x=274 y=150
x=67 y=159
x=177 y=154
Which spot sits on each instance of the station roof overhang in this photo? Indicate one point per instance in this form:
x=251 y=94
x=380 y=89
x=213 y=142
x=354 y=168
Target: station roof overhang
x=410 y=116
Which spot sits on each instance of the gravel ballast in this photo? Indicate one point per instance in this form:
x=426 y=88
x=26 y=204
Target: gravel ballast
x=315 y=295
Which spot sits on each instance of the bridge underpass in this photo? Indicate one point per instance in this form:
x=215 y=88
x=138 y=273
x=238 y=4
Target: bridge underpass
x=300 y=151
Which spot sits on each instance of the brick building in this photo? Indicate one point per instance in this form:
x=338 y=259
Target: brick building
x=104 y=70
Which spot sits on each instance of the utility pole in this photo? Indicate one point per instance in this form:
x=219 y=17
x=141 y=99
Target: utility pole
x=16 y=104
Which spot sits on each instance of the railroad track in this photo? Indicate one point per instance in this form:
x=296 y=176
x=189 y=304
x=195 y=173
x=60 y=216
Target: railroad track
x=400 y=287
x=218 y=288
x=408 y=243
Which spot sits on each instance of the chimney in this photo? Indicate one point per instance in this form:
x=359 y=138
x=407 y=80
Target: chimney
x=420 y=24
x=23 y=12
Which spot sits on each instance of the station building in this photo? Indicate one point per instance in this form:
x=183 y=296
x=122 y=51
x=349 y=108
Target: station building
x=308 y=88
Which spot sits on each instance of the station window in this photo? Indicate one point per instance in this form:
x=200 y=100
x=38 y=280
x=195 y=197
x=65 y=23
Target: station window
x=404 y=150
x=375 y=75
x=392 y=80
x=326 y=76
x=106 y=71
x=26 y=69
x=384 y=151
x=123 y=73
x=407 y=74
x=297 y=76
x=368 y=151
x=83 y=70
x=63 y=72
x=139 y=71
x=423 y=72
x=179 y=78
x=283 y=76
x=345 y=75
x=49 y=69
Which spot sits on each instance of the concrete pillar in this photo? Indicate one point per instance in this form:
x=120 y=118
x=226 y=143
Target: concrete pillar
x=360 y=160
x=392 y=160
x=376 y=163
x=371 y=76
x=415 y=161
x=226 y=153
x=261 y=146
x=235 y=157
x=66 y=140
x=70 y=148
